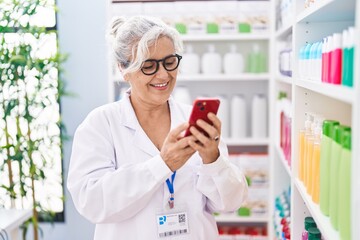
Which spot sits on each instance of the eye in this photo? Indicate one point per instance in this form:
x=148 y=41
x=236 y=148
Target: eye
x=170 y=61
x=149 y=65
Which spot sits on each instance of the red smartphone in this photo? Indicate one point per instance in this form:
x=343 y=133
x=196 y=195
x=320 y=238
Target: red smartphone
x=200 y=110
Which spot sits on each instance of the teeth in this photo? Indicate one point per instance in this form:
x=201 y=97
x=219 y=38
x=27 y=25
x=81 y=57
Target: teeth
x=160 y=85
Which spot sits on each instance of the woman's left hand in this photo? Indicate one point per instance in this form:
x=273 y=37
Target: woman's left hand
x=207 y=146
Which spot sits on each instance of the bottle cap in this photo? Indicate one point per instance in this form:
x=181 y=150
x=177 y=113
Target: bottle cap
x=330 y=45
x=314 y=234
x=324 y=45
x=307 y=51
x=351 y=37
x=319 y=50
x=189 y=48
x=301 y=52
x=233 y=48
x=345 y=38
x=309 y=223
x=337 y=40
x=328 y=126
x=346 y=140
x=313 y=50
x=211 y=48
x=338 y=133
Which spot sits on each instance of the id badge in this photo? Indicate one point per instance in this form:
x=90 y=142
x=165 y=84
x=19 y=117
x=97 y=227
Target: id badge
x=172 y=223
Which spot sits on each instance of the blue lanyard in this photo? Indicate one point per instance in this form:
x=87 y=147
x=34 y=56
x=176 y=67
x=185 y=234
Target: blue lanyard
x=171 y=189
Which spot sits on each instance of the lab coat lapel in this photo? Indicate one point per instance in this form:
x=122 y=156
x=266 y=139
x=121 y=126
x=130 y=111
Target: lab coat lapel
x=177 y=115
x=139 y=139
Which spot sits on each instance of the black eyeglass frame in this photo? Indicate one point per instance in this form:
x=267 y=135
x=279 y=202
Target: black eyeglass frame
x=179 y=57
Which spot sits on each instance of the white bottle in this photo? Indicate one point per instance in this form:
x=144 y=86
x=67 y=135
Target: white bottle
x=259 y=116
x=233 y=61
x=224 y=115
x=190 y=63
x=211 y=61
x=182 y=94
x=238 y=117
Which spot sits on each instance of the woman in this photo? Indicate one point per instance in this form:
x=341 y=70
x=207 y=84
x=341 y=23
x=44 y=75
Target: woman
x=131 y=172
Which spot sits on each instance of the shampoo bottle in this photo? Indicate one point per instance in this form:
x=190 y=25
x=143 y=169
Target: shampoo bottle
x=211 y=61
x=233 y=61
x=349 y=75
x=258 y=116
x=238 y=117
x=336 y=148
x=326 y=143
x=224 y=116
x=190 y=63
x=344 y=203
x=336 y=59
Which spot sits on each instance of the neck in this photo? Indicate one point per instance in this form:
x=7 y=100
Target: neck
x=145 y=110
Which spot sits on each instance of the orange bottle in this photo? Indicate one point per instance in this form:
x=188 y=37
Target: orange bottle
x=315 y=189
x=307 y=135
x=309 y=155
x=301 y=154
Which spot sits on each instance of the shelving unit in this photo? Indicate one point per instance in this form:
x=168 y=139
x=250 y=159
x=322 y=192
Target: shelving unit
x=309 y=25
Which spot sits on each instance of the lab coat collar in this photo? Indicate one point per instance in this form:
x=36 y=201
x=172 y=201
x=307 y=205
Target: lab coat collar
x=140 y=139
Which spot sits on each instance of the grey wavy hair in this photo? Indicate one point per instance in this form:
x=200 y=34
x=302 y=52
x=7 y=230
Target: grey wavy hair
x=132 y=37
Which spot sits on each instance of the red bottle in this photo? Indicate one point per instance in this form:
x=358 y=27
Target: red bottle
x=336 y=59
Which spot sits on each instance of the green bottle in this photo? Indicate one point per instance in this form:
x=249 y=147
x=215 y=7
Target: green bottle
x=336 y=148
x=256 y=61
x=344 y=202
x=314 y=234
x=349 y=59
x=326 y=143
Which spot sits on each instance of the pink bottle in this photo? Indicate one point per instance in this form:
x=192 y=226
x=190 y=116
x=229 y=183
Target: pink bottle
x=324 y=60
x=336 y=59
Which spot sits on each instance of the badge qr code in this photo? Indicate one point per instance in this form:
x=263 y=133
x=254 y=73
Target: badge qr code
x=182 y=218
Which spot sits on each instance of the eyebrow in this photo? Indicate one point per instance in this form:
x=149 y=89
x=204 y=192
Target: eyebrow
x=153 y=59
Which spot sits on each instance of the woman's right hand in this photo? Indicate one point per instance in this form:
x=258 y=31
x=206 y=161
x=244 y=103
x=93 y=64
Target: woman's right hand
x=176 y=150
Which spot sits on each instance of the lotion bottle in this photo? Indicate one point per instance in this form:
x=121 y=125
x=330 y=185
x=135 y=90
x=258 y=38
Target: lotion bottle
x=211 y=61
x=238 y=117
x=190 y=63
x=233 y=61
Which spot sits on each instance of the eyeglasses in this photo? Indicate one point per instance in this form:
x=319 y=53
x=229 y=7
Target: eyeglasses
x=170 y=63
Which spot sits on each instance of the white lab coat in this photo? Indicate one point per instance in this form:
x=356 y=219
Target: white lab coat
x=117 y=178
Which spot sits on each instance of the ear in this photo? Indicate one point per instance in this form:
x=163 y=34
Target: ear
x=122 y=71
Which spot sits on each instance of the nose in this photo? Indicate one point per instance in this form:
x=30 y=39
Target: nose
x=162 y=72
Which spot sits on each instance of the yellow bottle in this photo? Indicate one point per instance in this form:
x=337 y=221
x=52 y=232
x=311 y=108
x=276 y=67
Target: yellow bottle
x=309 y=175
x=301 y=154
x=307 y=135
x=316 y=173
x=315 y=189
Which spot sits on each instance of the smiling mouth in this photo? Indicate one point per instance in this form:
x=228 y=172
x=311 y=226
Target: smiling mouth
x=160 y=85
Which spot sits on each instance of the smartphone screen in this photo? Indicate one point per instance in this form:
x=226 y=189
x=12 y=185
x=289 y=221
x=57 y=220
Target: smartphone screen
x=200 y=110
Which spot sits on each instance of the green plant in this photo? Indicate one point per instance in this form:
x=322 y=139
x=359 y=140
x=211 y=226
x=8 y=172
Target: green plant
x=31 y=129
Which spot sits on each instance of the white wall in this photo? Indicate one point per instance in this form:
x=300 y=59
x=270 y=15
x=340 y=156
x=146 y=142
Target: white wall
x=82 y=25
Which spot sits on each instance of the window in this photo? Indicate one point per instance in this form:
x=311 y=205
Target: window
x=30 y=123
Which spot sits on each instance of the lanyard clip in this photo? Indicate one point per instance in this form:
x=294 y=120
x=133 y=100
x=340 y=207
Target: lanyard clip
x=171 y=201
